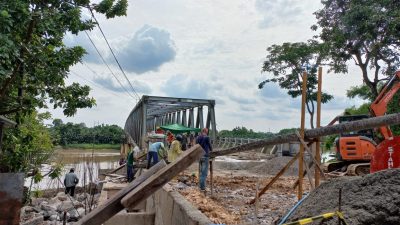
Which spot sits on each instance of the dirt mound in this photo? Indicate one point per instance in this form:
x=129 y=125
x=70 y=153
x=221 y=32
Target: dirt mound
x=372 y=199
x=274 y=165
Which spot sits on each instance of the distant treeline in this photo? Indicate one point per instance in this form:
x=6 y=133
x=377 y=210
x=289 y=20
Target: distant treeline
x=243 y=132
x=71 y=133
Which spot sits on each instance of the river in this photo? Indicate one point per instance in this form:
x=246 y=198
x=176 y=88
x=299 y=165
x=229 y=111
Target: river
x=81 y=160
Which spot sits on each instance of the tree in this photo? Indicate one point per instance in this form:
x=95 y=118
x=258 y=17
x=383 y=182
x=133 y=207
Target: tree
x=26 y=148
x=365 y=31
x=34 y=62
x=285 y=64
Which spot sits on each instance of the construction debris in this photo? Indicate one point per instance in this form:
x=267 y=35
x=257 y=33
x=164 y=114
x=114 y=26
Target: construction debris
x=228 y=205
x=372 y=199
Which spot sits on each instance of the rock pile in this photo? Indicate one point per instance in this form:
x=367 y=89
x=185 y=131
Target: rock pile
x=373 y=199
x=52 y=210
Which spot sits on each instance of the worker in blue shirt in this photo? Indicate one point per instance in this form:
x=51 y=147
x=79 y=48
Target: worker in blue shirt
x=205 y=143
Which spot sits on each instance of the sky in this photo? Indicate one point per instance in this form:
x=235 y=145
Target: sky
x=211 y=49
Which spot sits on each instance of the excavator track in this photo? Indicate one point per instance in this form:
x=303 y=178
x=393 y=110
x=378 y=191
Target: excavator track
x=358 y=169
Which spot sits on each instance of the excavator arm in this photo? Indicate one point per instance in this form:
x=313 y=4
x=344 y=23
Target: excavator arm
x=379 y=106
x=387 y=153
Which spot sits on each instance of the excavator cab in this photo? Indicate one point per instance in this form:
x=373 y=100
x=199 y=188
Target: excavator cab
x=357 y=145
x=353 y=149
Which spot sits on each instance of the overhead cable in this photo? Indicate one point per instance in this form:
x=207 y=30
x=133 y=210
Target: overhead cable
x=104 y=61
x=112 y=52
x=101 y=88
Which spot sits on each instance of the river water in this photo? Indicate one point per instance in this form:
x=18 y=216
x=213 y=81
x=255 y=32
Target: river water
x=86 y=165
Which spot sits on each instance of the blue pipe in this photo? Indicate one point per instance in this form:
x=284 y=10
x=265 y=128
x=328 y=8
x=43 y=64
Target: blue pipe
x=283 y=220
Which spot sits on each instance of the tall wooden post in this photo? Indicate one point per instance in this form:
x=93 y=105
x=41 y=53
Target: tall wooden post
x=301 y=153
x=317 y=147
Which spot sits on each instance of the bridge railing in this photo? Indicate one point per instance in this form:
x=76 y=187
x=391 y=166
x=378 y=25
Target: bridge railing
x=227 y=142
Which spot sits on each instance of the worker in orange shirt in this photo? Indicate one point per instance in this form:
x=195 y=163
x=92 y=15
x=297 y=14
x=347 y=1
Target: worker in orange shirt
x=170 y=138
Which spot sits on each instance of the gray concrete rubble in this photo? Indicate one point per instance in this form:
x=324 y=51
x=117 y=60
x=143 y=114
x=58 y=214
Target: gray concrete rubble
x=51 y=210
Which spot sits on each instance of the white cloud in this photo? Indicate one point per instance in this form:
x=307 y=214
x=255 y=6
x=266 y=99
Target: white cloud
x=147 y=50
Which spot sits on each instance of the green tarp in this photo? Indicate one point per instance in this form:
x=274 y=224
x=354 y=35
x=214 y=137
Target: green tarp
x=178 y=129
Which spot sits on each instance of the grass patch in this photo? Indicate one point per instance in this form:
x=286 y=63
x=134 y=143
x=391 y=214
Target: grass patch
x=93 y=146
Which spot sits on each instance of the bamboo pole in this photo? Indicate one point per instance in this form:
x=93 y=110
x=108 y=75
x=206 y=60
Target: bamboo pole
x=302 y=123
x=274 y=179
x=317 y=147
x=318 y=167
x=369 y=123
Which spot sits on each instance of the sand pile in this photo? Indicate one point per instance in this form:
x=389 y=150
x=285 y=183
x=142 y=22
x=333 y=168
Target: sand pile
x=274 y=165
x=372 y=199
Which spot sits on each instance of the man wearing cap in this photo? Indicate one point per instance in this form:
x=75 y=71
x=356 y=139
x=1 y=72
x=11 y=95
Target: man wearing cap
x=70 y=181
x=205 y=143
x=152 y=155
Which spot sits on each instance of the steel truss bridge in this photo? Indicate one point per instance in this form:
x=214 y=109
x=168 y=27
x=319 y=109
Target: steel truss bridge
x=153 y=111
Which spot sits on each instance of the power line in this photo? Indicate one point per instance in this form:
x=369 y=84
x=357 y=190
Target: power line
x=102 y=88
x=104 y=61
x=112 y=52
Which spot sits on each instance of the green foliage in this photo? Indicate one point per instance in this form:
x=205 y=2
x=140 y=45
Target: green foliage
x=37 y=193
x=287 y=131
x=394 y=107
x=56 y=171
x=363 y=31
x=110 y=9
x=26 y=147
x=243 y=132
x=285 y=64
x=362 y=109
x=34 y=62
x=361 y=91
x=70 y=134
x=329 y=141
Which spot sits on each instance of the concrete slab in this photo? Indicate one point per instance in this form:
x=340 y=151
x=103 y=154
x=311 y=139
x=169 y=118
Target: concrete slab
x=125 y=218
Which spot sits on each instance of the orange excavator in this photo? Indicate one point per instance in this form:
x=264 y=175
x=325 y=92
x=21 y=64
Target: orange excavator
x=357 y=153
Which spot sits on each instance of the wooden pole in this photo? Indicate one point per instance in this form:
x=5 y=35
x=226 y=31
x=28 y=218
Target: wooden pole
x=302 y=123
x=280 y=173
x=113 y=205
x=256 y=205
x=158 y=180
x=364 y=124
x=317 y=147
x=305 y=145
x=211 y=176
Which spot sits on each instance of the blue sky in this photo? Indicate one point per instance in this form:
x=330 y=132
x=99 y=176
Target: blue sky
x=207 y=49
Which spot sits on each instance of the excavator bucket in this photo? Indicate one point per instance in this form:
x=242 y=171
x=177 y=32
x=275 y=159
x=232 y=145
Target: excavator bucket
x=386 y=155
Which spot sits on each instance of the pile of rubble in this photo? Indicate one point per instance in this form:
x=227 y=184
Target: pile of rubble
x=228 y=205
x=52 y=210
x=372 y=199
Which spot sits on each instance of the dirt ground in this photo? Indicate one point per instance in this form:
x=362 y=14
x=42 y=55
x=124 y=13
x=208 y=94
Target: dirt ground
x=235 y=185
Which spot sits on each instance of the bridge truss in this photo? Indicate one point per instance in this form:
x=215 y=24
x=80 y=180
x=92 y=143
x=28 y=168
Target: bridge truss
x=153 y=111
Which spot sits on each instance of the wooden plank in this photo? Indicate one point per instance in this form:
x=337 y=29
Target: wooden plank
x=369 y=123
x=280 y=173
x=305 y=145
x=308 y=174
x=317 y=147
x=302 y=123
x=103 y=212
x=156 y=181
x=115 y=170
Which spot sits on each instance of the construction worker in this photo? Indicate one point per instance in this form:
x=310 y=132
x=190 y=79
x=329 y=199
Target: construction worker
x=70 y=181
x=154 y=150
x=175 y=149
x=205 y=143
x=130 y=164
